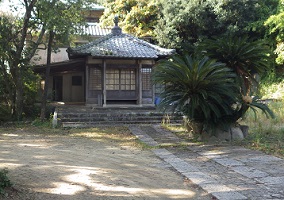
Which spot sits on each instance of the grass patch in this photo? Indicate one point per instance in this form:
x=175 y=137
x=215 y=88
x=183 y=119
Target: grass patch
x=180 y=145
x=182 y=133
x=115 y=134
x=266 y=134
x=118 y=134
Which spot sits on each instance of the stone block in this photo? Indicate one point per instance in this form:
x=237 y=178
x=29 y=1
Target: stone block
x=249 y=172
x=237 y=133
x=269 y=180
x=228 y=162
x=199 y=177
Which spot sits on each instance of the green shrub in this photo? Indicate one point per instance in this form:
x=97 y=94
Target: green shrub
x=4 y=180
x=5 y=113
x=273 y=90
x=266 y=134
x=201 y=88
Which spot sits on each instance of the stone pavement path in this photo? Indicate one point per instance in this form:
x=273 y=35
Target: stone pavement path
x=226 y=172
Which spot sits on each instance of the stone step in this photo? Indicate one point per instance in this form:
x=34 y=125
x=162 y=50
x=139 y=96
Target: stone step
x=88 y=117
x=115 y=118
x=102 y=109
x=94 y=124
x=122 y=114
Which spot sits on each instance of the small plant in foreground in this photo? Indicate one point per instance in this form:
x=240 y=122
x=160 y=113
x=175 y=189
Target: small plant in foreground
x=4 y=180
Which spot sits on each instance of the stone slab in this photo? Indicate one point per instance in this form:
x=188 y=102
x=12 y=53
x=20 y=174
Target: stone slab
x=199 y=177
x=231 y=195
x=269 y=180
x=222 y=192
x=209 y=154
x=249 y=172
x=228 y=162
x=143 y=136
x=183 y=167
x=264 y=158
x=162 y=153
x=246 y=179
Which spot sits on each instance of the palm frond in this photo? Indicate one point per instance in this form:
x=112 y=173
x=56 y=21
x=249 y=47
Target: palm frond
x=199 y=87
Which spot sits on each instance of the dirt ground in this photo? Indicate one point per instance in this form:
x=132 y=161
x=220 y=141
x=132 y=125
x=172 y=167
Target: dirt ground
x=65 y=167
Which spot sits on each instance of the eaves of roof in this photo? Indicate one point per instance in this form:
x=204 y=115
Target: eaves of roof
x=61 y=66
x=120 y=46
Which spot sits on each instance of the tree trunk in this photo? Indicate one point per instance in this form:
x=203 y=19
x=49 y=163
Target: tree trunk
x=8 y=88
x=19 y=95
x=47 y=72
x=17 y=63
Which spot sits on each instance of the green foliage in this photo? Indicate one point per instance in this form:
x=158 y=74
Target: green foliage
x=246 y=57
x=5 y=113
x=201 y=88
x=275 y=22
x=39 y=123
x=190 y=21
x=183 y=21
x=255 y=105
x=21 y=36
x=64 y=18
x=272 y=90
x=215 y=93
x=4 y=181
x=136 y=17
x=266 y=134
x=9 y=27
x=275 y=25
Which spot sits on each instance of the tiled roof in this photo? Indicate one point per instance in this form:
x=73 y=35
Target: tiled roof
x=94 y=29
x=119 y=45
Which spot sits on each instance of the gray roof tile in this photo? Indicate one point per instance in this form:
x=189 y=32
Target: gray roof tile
x=94 y=29
x=120 y=45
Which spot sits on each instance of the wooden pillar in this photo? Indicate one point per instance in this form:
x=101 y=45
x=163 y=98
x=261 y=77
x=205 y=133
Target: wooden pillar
x=87 y=84
x=154 y=87
x=153 y=94
x=139 y=83
x=104 y=83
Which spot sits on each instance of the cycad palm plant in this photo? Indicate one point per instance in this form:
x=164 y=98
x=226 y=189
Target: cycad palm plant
x=247 y=59
x=201 y=88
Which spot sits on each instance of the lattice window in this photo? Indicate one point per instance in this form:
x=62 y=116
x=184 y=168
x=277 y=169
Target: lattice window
x=127 y=79
x=95 y=79
x=112 y=79
x=120 y=79
x=146 y=78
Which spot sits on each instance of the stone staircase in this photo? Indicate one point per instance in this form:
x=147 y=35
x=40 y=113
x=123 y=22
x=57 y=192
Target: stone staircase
x=82 y=116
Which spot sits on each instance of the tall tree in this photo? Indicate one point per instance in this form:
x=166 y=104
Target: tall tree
x=19 y=56
x=7 y=30
x=136 y=17
x=185 y=21
x=39 y=17
x=61 y=22
x=275 y=25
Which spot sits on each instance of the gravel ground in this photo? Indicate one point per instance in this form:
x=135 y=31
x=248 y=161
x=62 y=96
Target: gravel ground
x=64 y=167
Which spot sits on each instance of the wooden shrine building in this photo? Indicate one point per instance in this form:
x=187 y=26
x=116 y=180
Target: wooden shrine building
x=114 y=69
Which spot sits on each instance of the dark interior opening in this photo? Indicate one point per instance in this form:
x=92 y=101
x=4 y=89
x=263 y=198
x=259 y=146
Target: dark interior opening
x=132 y=102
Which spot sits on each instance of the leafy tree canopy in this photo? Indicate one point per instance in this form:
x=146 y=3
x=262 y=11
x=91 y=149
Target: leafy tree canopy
x=185 y=21
x=275 y=24
x=136 y=17
x=20 y=38
x=245 y=56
